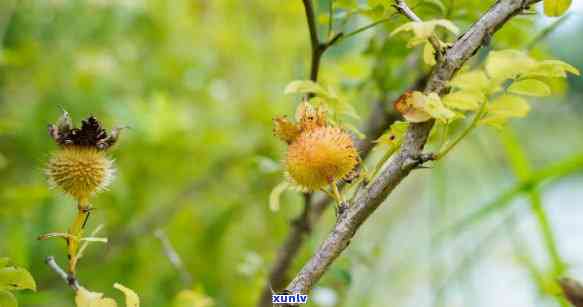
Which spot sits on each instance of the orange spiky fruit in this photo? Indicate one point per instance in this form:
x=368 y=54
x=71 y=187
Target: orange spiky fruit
x=318 y=155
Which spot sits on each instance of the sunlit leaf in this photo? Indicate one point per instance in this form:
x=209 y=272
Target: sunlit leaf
x=464 y=100
x=15 y=278
x=438 y=4
x=410 y=105
x=429 y=54
x=422 y=30
x=305 y=87
x=507 y=64
x=132 y=299
x=7 y=299
x=555 y=8
x=504 y=108
x=436 y=109
x=395 y=134
x=552 y=69
x=530 y=87
x=334 y=103
x=474 y=80
x=86 y=298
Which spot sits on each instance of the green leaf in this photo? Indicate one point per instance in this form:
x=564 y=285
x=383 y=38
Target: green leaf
x=434 y=107
x=393 y=137
x=305 y=87
x=504 y=108
x=555 y=8
x=464 y=100
x=429 y=54
x=552 y=69
x=4 y=262
x=507 y=64
x=15 y=278
x=334 y=103
x=275 y=195
x=7 y=299
x=422 y=30
x=530 y=87
x=474 y=80
x=438 y=4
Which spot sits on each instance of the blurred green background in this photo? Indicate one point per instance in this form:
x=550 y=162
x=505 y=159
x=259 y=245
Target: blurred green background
x=199 y=82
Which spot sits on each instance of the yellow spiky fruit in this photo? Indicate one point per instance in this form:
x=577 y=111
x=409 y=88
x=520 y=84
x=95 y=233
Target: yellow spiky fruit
x=80 y=171
x=320 y=157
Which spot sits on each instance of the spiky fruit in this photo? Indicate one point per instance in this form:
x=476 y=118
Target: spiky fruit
x=320 y=157
x=285 y=130
x=80 y=171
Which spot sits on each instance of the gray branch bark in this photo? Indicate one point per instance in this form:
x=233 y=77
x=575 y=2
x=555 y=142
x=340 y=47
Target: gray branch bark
x=410 y=155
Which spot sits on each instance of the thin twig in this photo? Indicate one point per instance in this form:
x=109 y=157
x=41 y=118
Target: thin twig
x=404 y=9
x=173 y=257
x=300 y=226
x=69 y=279
x=409 y=156
x=366 y=27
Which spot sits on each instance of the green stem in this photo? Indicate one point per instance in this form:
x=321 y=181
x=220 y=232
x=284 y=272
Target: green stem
x=336 y=192
x=75 y=233
x=468 y=129
x=364 y=28
x=383 y=160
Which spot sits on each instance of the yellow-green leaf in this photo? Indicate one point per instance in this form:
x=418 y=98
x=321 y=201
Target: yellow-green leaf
x=4 y=261
x=7 y=299
x=474 y=80
x=555 y=8
x=530 y=87
x=275 y=195
x=429 y=54
x=86 y=298
x=504 y=108
x=507 y=64
x=132 y=299
x=15 y=278
x=552 y=69
x=393 y=137
x=434 y=107
x=422 y=30
x=438 y=4
x=304 y=87
x=192 y=298
x=464 y=100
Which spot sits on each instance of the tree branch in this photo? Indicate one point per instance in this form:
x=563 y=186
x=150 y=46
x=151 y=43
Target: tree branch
x=410 y=153
x=173 y=257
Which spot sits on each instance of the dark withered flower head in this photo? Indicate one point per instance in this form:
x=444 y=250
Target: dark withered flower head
x=90 y=134
x=81 y=167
